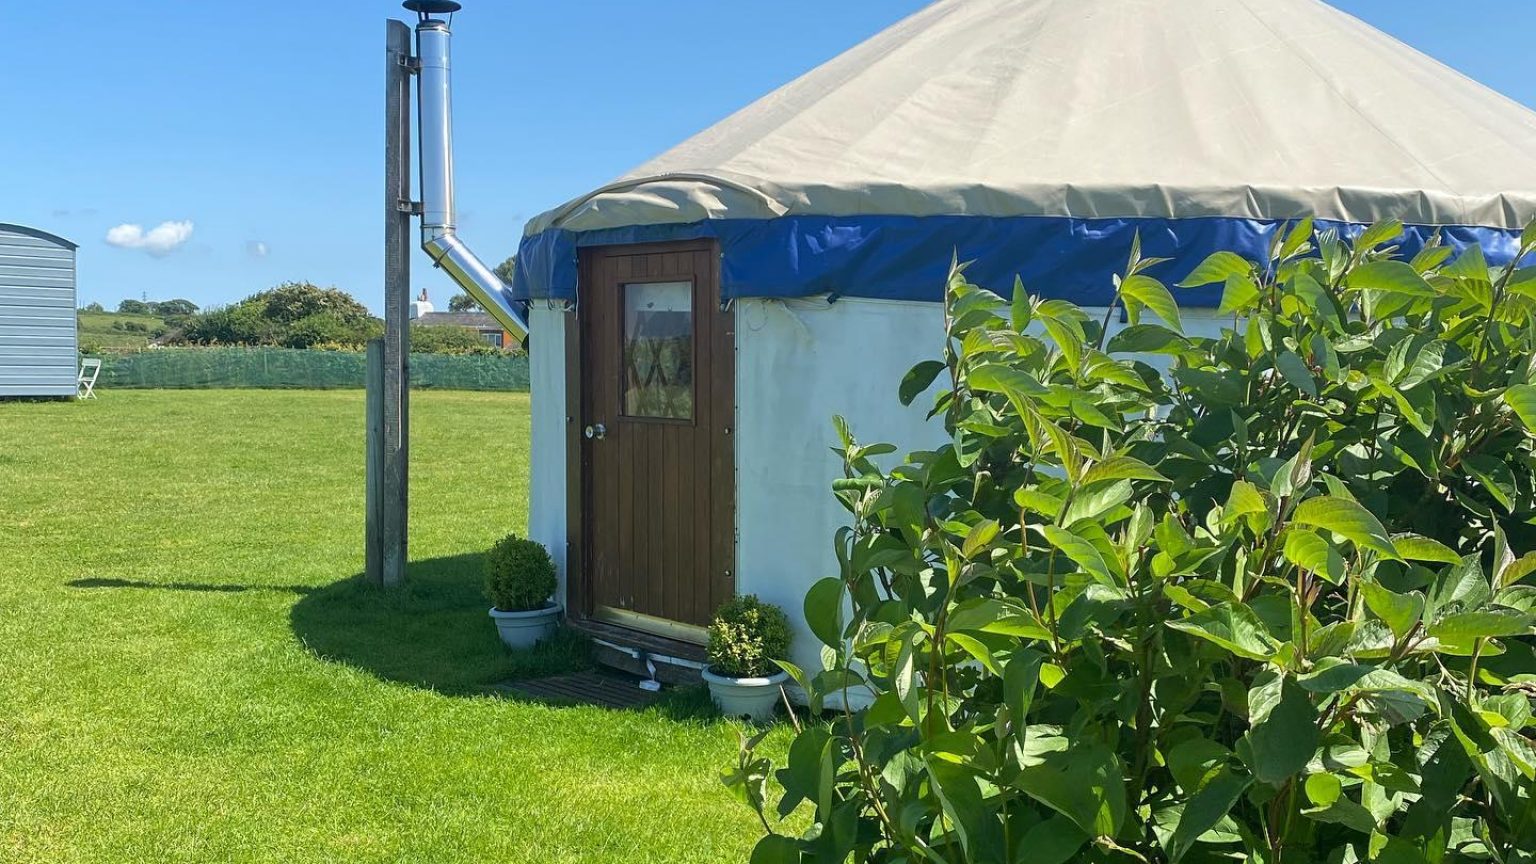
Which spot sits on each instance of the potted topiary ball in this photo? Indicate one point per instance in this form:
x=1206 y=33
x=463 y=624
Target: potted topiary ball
x=519 y=579
x=745 y=637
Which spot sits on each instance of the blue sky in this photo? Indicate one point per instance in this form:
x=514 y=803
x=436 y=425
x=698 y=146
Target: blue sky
x=259 y=123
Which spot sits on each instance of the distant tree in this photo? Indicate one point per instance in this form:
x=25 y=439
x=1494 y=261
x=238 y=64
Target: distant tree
x=173 y=308
x=134 y=307
x=505 y=269
x=462 y=303
x=94 y=307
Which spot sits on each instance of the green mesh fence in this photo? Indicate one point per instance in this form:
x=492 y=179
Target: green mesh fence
x=171 y=368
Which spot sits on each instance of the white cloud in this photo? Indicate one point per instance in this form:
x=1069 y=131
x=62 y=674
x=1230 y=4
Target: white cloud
x=159 y=241
x=257 y=249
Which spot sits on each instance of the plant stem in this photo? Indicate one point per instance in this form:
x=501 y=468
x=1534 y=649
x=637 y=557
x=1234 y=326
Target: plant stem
x=1477 y=651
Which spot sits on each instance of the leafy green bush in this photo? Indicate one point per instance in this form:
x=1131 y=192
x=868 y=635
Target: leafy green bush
x=1273 y=607
x=291 y=315
x=746 y=636
x=519 y=575
x=448 y=339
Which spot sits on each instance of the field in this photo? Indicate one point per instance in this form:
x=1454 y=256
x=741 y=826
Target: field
x=191 y=671
x=117 y=331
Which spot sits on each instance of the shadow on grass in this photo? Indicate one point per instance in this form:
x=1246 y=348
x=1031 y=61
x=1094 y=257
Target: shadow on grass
x=434 y=633
x=431 y=632
x=207 y=587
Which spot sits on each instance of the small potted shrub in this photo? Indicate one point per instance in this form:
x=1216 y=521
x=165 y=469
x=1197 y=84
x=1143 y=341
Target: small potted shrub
x=745 y=637
x=519 y=579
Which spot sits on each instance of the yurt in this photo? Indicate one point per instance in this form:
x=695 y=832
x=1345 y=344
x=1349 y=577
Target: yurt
x=697 y=322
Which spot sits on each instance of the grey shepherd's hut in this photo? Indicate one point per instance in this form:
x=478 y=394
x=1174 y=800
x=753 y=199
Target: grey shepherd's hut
x=39 y=347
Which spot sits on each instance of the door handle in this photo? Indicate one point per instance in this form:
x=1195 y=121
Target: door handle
x=596 y=431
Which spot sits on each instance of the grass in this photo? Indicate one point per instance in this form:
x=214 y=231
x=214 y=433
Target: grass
x=191 y=670
x=105 y=330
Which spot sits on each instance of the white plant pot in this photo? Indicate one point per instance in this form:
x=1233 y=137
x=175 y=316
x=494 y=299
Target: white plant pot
x=753 y=698
x=526 y=629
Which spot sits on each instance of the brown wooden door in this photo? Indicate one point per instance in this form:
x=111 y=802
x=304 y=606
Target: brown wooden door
x=658 y=403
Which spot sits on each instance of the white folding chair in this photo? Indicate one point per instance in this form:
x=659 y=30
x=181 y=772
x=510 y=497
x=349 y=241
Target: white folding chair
x=85 y=385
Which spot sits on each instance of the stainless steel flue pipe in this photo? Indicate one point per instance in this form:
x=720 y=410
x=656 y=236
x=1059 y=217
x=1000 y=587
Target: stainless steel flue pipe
x=439 y=237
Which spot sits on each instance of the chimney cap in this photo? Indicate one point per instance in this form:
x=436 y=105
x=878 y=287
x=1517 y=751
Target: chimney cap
x=427 y=8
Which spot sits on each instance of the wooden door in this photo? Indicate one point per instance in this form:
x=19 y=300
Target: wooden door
x=658 y=403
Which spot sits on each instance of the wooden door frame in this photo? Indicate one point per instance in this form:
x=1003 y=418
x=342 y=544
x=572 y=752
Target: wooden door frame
x=578 y=590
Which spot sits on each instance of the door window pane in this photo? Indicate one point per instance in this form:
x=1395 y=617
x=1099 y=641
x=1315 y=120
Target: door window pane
x=658 y=350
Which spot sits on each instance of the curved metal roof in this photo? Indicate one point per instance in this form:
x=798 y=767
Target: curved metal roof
x=38 y=233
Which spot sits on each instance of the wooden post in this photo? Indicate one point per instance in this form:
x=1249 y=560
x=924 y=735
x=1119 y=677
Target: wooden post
x=395 y=387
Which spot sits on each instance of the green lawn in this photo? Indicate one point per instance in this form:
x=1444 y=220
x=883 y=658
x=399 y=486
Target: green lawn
x=191 y=671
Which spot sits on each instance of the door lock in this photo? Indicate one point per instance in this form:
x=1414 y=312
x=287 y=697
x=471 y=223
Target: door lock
x=596 y=431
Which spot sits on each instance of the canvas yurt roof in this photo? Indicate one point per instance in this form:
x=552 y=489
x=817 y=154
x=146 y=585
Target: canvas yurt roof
x=1037 y=135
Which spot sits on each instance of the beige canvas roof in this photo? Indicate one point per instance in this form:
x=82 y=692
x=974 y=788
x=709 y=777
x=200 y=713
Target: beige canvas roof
x=1267 y=109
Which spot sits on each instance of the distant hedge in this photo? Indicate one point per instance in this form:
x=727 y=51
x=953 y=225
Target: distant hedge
x=290 y=368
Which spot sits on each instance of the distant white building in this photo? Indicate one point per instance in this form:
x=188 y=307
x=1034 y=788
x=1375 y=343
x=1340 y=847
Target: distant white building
x=421 y=305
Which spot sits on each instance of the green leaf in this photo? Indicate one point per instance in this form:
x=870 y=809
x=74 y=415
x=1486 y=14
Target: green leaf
x=1021 y=677
x=1426 y=362
x=1413 y=547
x=1016 y=384
x=1084 y=783
x=1400 y=612
x=1348 y=520
x=1343 y=811
x=776 y=849
x=1147 y=339
x=1217 y=268
x=1020 y=311
x=1148 y=292
x=1528 y=236
x=1194 y=760
x=918 y=379
x=1332 y=675
x=1516 y=570
x=980 y=536
x=1052 y=841
x=1122 y=468
x=1312 y=553
x=1295 y=371
x=1495 y=477
x=1282 y=743
x=1238 y=295
x=1091 y=502
x=1471 y=264
x=1299 y=234
x=1379 y=233
x=1394 y=277
x=1208 y=806
x=981 y=835
x=1315 y=297
x=1233 y=627
x=1324 y=789
x=1463 y=583
x=802 y=773
x=1083 y=553
x=1245 y=500
x=1295 y=475
x=1463 y=627
x=824 y=611
x=977 y=649
x=1521 y=398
